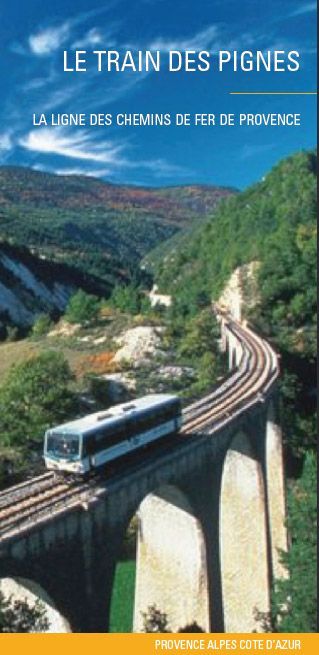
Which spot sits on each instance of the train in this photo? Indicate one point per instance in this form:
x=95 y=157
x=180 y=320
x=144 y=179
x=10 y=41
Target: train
x=89 y=443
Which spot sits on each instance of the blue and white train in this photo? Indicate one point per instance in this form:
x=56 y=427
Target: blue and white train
x=90 y=442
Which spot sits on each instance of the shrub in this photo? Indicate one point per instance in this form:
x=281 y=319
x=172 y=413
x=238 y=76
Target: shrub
x=82 y=308
x=35 y=395
x=41 y=326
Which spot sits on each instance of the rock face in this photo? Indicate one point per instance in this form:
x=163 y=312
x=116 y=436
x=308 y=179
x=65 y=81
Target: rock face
x=64 y=329
x=138 y=345
x=159 y=298
x=241 y=290
x=176 y=372
x=31 y=285
x=23 y=294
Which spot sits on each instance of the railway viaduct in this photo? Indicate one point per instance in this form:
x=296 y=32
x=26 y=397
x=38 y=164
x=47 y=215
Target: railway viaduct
x=210 y=512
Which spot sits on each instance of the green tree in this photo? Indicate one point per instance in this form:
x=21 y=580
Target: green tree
x=19 y=616
x=200 y=334
x=41 y=326
x=295 y=598
x=82 y=308
x=128 y=298
x=35 y=395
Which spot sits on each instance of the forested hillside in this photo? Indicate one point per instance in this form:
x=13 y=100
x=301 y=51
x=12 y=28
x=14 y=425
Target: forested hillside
x=243 y=229
x=273 y=222
x=102 y=229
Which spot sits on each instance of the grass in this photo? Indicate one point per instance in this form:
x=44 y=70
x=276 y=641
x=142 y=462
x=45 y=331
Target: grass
x=121 y=617
x=15 y=352
x=75 y=350
x=18 y=351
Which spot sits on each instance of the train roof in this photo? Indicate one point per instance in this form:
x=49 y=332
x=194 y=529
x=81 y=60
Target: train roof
x=107 y=416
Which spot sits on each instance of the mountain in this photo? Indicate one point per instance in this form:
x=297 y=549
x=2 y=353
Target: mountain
x=30 y=285
x=100 y=228
x=246 y=227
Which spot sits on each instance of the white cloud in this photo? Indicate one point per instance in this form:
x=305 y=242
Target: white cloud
x=92 y=38
x=204 y=39
x=19 y=49
x=5 y=141
x=49 y=39
x=99 y=172
x=62 y=95
x=159 y=167
x=78 y=145
x=307 y=8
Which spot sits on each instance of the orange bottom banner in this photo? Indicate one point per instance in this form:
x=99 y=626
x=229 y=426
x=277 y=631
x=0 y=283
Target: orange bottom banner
x=159 y=644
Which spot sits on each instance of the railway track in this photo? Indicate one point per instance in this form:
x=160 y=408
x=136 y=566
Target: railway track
x=45 y=495
x=25 y=490
x=251 y=380
x=58 y=498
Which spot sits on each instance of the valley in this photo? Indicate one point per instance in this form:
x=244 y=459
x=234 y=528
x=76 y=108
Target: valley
x=99 y=228
x=76 y=243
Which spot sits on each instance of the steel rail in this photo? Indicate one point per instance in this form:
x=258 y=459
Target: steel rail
x=257 y=371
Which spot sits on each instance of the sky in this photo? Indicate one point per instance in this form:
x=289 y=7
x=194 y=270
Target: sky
x=35 y=33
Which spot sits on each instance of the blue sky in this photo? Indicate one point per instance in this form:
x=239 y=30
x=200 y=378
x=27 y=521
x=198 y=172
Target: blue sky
x=34 y=34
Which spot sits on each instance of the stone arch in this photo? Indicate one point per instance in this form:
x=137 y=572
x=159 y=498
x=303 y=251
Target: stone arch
x=171 y=567
x=275 y=492
x=231 y=352
x=19 y=588
x=243 y=538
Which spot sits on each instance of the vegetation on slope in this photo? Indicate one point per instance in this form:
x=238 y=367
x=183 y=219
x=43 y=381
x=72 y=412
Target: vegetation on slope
x=103 y=229
x=273 y=222
x=240 y=231
x=35 y=394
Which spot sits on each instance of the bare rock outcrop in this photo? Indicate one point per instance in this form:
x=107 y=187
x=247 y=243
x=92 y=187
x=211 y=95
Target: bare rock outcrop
x=138 y=345
x=241 y=290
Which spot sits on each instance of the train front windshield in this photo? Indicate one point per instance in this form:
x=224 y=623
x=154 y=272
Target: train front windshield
x=66 y=446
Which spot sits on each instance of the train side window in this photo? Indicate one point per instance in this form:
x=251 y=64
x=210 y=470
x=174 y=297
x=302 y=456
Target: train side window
x=89 y=445
x=150 y=421
x=164 y=414
x=119 y=433
x=134 y=427
x=115 y=435
x=142 y=423
x=102 y=437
